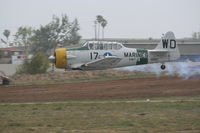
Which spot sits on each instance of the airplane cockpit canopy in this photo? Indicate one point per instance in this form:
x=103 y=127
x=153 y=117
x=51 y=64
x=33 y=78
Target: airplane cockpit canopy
x=98 y=45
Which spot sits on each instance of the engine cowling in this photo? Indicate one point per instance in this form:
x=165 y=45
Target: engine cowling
x=61 y=58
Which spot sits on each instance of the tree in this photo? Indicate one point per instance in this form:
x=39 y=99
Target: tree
x=194 y=35
x=103 y=24
x=74 y=37
x=1 y=55
x=22 y=36
x=6 y=33
x=99 y=20
x=58 y=31
x=95 y=30
x=38 y=64
x=198 y=35
x=41 y=40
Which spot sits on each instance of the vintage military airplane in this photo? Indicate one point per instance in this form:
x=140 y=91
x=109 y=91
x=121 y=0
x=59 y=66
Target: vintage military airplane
x=97 y=55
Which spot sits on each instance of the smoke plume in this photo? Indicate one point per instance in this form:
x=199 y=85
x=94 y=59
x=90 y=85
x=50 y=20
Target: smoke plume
x=183 y=70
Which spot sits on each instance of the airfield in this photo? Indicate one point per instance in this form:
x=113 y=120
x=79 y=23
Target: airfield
x=119 y=89
x=139 y=99
x=103 y=101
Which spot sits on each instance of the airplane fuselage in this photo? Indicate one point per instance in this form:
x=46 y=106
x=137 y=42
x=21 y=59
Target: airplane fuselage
x=129 y=56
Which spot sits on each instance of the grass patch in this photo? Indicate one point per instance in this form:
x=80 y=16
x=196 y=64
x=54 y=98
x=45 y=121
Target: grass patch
x=83 y=77
x=58 y=108
x=98 y=117
x=31 y=129
x=15 y=125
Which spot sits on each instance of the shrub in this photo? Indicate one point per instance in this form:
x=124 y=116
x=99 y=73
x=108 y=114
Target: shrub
x=39 y=63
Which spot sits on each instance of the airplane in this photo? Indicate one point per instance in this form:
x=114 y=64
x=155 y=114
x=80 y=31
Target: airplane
x=98 y=55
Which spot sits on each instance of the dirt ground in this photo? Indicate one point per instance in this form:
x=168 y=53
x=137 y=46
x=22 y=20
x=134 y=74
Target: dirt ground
x=102 y=90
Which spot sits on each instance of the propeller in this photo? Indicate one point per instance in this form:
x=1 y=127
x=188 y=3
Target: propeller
x=52 y=61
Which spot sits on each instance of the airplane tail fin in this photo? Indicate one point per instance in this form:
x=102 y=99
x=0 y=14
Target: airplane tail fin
x=166 y=50
x=168 y=42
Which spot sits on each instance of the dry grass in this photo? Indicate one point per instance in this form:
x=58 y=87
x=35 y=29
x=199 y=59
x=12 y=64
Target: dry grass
x=77 y=76
x=101 y=117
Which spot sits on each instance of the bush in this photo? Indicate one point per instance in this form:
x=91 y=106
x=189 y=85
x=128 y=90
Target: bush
x=1 y=55
x=38 y=64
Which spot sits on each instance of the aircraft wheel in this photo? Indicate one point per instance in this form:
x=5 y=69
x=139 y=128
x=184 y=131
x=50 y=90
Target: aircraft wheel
x=163 y=67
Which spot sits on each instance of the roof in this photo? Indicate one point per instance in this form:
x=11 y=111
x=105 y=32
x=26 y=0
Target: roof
x=12 y=49
x=100 y=42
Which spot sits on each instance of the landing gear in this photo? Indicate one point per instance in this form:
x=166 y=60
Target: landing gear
x=163 y=67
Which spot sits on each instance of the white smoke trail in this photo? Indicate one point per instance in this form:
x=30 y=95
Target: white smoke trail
x=183 y=70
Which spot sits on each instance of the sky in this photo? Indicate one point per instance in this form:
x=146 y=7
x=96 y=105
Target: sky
x=126 y=18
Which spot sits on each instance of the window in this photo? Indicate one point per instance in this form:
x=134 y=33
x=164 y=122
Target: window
x=96 y=46
x=110 y=46
x=119 y=46
x=105 y=46
x=91 y=46
x=114 y=46
x=101 y=46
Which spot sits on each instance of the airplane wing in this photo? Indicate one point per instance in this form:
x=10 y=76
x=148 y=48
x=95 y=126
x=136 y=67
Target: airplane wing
x=106 y=62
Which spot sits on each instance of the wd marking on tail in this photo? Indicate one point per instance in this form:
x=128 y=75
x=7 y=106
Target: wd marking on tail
x=172 y=44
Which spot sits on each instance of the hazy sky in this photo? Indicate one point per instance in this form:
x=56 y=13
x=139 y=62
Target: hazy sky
x=126 y=18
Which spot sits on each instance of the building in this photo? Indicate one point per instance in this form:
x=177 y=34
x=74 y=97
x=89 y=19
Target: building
x=7 y=53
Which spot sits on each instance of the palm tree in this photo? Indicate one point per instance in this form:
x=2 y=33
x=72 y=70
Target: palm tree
x=99 y=20
x=6 y=33
x=103 y=24
x=95 y=30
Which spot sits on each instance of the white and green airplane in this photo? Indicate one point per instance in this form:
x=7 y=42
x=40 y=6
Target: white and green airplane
x=97 y=55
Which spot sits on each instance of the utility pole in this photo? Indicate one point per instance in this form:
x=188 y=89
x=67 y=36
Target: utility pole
x=199 y=32
x=95 y=30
